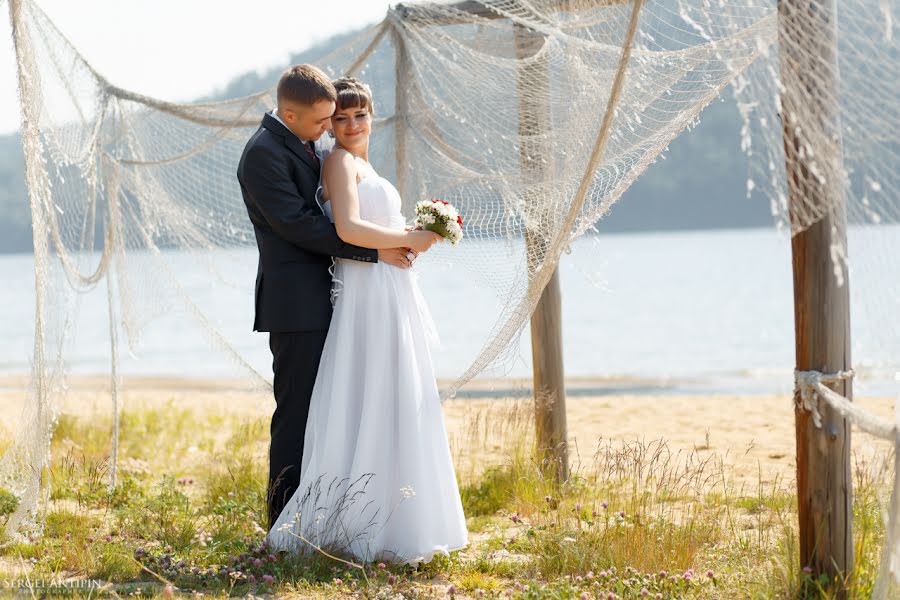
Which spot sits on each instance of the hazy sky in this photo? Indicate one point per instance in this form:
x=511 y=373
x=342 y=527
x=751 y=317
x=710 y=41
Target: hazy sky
x=181 y=49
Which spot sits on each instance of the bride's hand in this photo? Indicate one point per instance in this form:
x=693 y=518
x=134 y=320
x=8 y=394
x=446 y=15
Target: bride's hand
x=420 y=240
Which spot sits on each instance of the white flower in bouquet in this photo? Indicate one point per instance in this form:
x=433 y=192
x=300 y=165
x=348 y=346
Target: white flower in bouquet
x=440 y=217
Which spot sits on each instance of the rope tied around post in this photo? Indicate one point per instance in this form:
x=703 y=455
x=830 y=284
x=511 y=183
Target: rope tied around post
x=809 y=386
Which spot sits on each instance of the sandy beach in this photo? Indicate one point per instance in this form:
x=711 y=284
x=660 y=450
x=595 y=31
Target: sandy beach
x=753 y=435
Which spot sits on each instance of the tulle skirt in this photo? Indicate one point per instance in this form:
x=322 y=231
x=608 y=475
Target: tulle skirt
x=377 y=480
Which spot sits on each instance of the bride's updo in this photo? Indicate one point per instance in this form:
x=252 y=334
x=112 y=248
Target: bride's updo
x=352 y=93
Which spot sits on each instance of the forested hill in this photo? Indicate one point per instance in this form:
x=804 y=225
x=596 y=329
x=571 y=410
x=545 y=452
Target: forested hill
x=700 y=183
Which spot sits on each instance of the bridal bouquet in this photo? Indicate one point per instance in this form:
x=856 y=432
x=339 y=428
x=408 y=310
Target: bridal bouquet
x=440 y=217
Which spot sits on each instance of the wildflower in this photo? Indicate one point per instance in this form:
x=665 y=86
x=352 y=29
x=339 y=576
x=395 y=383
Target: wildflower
x=480 y=593
x=807 y=570
x=338 y=581
x=621 y=514
x=578 y=579
x=644 y=592
x=584 y=596
x=231 y=494
x=611 y=596
x=168 y=592
x=391 y=579
x=578 y=507
x=272 y=558
x=589 y=575
x=257 y=563
x=451 y=590
x=514 y=517
x=268 y=579
x=710 y=574
x=252 y=579
x=382 y=566
x=659 y=596
x=604 y=504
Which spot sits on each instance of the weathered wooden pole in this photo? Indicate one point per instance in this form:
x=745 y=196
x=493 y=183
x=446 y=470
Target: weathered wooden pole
x=812 y=143
x=533 y=86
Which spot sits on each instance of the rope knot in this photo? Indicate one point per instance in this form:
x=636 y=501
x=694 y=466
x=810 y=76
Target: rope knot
x=808 y=385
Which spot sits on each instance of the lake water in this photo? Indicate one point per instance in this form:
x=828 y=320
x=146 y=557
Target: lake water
x=707 y=311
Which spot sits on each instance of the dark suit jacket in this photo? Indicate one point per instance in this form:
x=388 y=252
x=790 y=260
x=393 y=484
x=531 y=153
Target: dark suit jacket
x=296 y=240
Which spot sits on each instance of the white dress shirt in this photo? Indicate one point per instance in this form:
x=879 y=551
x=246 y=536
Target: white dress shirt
x=275 y=116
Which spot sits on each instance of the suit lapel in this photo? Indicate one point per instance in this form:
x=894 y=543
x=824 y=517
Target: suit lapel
x=296 y=146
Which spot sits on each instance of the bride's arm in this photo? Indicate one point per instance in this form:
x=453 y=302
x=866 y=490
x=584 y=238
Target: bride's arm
x=340 y=181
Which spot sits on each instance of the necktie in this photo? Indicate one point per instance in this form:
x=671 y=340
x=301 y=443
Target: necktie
x=312 y=154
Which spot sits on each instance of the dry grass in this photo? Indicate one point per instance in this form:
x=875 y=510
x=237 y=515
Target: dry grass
x=634 y=518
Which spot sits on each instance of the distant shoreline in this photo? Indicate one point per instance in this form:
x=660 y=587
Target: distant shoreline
x=624 y=230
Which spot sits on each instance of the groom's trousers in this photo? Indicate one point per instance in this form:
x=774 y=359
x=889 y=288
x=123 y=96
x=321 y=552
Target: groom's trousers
x=295 y=361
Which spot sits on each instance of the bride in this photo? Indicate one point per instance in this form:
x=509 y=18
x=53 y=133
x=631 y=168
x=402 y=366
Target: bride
x=376 y=478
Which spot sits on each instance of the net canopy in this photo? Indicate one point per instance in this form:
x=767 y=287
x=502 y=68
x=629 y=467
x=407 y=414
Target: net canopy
x=531 y=116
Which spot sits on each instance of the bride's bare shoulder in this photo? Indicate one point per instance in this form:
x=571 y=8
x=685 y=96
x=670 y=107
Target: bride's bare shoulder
x=339 y=161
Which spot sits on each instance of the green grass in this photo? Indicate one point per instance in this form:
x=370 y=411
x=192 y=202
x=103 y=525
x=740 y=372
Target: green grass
x=633 y=519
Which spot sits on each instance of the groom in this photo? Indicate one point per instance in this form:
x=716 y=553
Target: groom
x=279 y=174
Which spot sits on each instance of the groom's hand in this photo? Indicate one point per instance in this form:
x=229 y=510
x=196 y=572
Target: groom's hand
x=398 y=257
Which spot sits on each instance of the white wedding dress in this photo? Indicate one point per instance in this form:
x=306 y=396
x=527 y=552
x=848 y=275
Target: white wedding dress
x=377 y=481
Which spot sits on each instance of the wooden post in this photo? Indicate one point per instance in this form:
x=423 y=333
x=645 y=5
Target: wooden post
x=534 y=106
x=811 y=118
x=533 y=83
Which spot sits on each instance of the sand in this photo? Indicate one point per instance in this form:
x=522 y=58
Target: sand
x=753 y=435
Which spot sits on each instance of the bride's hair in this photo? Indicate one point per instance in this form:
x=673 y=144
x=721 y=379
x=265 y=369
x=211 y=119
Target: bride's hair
x=352 y=93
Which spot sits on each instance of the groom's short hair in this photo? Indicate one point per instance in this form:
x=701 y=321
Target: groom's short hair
x=305 y=84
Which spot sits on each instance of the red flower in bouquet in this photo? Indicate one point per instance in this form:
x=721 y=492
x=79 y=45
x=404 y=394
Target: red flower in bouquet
x=441 y=217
